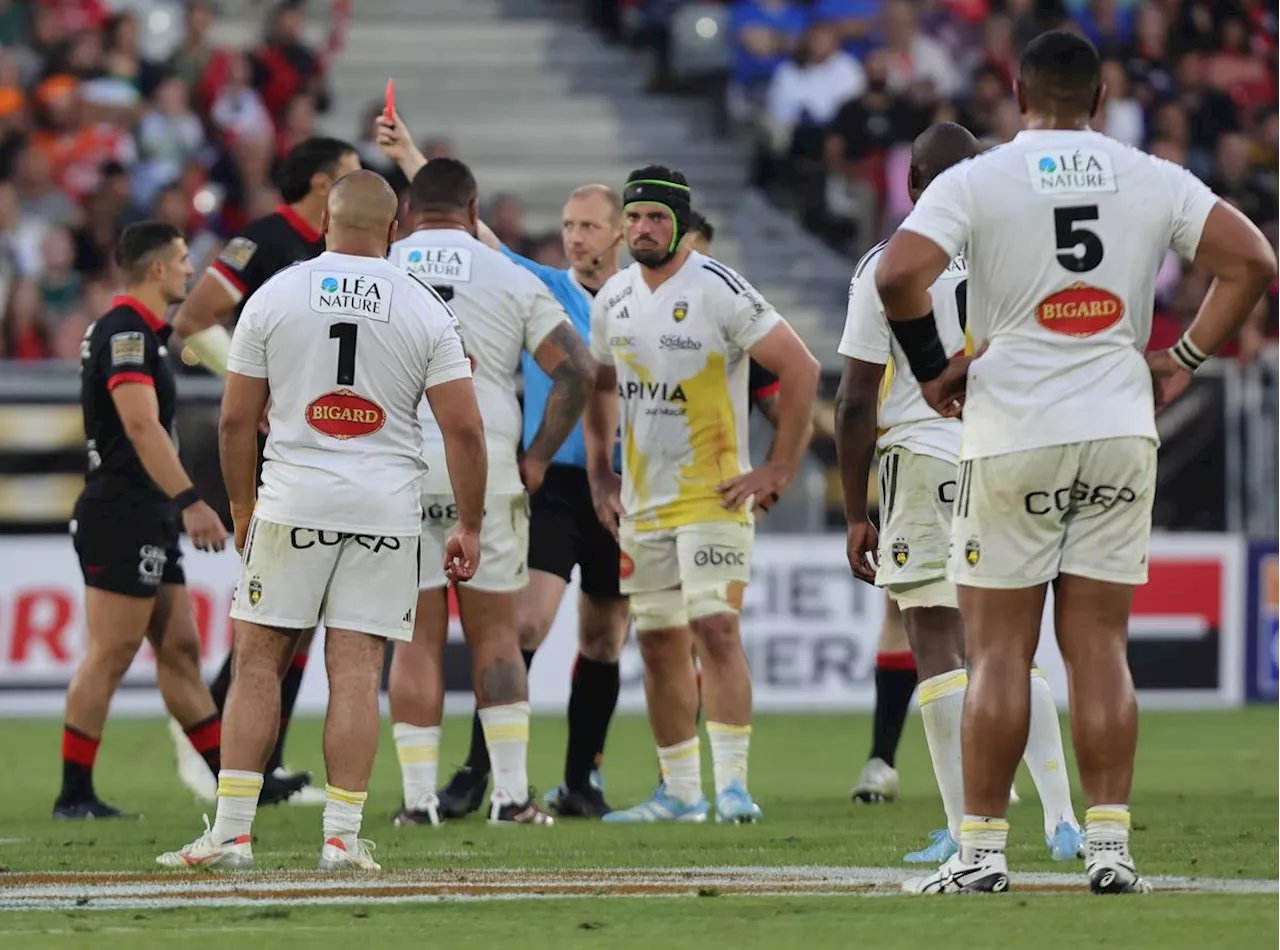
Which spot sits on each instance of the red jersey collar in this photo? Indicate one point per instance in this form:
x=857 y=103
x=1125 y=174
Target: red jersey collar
x=141 y=309
x=305 y=231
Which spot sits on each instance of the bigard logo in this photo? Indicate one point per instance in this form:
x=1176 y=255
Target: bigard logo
x=343 y=414
x=1080 y=310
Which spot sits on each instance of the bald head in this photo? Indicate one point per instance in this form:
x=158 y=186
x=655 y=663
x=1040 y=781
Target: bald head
x=360 y=218
x=936 y=149
x=362 y=201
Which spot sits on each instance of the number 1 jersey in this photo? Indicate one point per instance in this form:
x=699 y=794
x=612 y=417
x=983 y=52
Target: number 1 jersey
x=1063 y=232
x=347 y=345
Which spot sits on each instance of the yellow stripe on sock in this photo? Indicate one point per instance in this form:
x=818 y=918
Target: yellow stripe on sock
x=972 y=826
x=509 y=732
x=342 y=795
x=417 y=754
x=237 y=790
x=1106 y=814
x=1036 y=671
x=725 y=729
x=947 y=683
x=689 y=753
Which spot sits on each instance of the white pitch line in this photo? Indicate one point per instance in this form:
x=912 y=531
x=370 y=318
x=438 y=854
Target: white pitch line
x=97 y=890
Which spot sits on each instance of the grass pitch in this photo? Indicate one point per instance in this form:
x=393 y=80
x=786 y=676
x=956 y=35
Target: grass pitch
x=1205 y=805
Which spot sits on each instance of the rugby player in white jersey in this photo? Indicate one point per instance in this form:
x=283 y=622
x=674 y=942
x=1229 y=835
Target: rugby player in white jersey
x=504 y=311
x=345 y=346
x=1063 y=230
x=673 y=332
x=918 y=455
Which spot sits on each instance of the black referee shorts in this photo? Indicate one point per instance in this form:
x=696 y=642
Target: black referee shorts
x=126 y=546
x=564 y=531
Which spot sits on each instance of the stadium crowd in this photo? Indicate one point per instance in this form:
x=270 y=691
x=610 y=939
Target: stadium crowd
x=835 y=90
x=94 y=135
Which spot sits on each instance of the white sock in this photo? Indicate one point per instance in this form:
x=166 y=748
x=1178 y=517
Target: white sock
x=506 y=733
x=237 y=804
x=729 y=747
x=418 y=749
x=343 y=813
x=1045 y=758
x=979 y=835
x=941 y=700
x=1106 y=828
x=682 y=770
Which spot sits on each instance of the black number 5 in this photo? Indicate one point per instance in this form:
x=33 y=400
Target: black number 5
x=1072 y=239
x=345 y=334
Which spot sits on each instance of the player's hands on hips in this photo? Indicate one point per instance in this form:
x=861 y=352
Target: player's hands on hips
x=946 y=393
x=204 y=527
x=862 y=540
x=264 y=424
x=1168 y=379
x=241 y=518
x=763 y=486
x=606 y=497
x=532 y=472
x=461 y=555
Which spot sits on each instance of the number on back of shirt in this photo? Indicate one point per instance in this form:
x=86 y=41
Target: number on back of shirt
x=345 y=334
x=1079 y=249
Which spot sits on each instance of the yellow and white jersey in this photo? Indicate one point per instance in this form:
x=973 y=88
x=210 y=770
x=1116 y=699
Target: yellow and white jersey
x=680 y=353
x=903 y=417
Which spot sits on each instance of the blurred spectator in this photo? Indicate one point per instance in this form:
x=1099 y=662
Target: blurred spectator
x=915 y=60
x=1236 y=179
x=123 y=59
x=548 y=250
x=21 y=233
x=39 y=194
x=169 y=134
x=507 y=221
x=986 y=94
x=1122 y=114
x=855 y=21
x=997 y=51
x=297 y=124
x=59 y=281
x=1107 y=23
x=811 y=87
x=238 y=111
x=25 y=335
x=196 y=59
x=1236 y=70
x=74 y=142
x=764 y=33
x=285 y=66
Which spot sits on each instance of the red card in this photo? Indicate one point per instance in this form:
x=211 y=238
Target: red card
x=390 y=111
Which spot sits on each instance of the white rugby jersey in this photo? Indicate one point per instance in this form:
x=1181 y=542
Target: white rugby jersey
x=681 y=357
x=1065 y=231
x=904 y=417
x=348 y=345
x=503 y=310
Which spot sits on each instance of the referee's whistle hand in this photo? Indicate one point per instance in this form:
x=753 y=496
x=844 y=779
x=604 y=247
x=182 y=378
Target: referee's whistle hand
x=204 y=527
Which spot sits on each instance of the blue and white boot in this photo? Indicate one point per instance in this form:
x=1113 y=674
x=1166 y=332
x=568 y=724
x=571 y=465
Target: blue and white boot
x=734 y=804
x=660 y=807
x=1066 y=843
x=943 y=847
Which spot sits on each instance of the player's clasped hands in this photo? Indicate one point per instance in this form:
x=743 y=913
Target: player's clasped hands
x=204 y=527
x=761 y=486
x=606 y=497
x=461 y=555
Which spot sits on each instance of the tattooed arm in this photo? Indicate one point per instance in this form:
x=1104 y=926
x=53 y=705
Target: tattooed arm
x=564 y=357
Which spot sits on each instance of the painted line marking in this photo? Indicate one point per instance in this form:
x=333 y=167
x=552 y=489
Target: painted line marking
x=129 y=890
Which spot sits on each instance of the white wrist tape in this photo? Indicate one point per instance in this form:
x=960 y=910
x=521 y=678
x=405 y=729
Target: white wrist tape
x=212 y=346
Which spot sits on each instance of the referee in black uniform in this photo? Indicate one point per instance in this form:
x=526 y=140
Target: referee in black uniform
x=125 y=523
x=266 y=246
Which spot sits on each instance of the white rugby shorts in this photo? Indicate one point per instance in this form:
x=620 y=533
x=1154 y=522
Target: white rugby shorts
x=504 y=542
x=296 y=577
x=699 y=555
x=1023 y=518
x=916 y=496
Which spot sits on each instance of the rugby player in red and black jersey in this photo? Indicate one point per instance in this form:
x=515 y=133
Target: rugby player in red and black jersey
x=266 y=246
x=126 y=521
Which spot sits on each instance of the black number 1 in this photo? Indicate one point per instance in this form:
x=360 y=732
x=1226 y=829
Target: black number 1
x=962 y=303
x=345 y=334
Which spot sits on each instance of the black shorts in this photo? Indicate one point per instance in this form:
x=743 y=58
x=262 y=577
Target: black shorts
x=564 y=531
x=126 y=546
